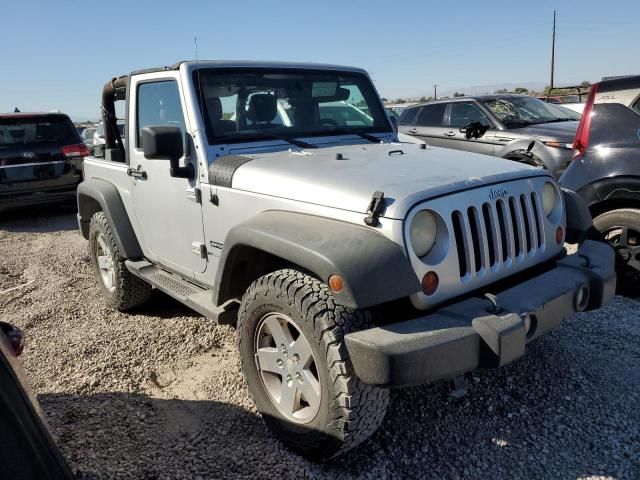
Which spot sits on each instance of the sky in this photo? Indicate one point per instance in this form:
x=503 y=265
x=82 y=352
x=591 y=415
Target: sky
x=57 y=54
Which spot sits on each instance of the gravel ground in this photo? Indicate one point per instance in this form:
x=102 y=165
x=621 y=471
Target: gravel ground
x=158 y=393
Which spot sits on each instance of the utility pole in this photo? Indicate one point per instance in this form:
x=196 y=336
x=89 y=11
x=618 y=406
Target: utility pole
x=435 y=92
x=553 y=47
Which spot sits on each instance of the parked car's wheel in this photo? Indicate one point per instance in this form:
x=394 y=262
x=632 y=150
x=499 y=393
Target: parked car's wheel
x=121 y=288
x=621 y=228
x=297 y=367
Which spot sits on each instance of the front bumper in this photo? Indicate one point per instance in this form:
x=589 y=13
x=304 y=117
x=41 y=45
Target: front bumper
x=473 y=334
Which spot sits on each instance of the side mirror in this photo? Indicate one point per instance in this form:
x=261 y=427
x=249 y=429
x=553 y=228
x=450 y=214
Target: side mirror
x=165 y=142
x=474 y=130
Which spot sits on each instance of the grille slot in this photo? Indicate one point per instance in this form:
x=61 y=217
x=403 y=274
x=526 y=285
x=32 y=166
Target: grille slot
x=497 y=234
x=456 y=218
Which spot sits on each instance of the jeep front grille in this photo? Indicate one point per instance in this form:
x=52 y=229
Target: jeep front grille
x=497 y=234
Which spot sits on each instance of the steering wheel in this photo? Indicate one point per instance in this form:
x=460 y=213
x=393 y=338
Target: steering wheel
x=328 y=121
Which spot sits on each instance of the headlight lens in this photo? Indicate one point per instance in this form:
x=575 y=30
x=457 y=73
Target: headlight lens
x=422 y=232
x=549 y=198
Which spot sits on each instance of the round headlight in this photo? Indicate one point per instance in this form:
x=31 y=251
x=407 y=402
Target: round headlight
x=549 y=198
x=422 y=232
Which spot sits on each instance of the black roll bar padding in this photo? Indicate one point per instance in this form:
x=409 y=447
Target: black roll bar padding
x=112 y=91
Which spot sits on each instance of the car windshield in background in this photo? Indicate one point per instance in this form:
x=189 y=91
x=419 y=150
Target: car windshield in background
x=249 y=104
x=16 y=131
x=517 y=112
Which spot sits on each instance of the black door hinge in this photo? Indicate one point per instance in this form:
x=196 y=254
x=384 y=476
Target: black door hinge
x=198 y=194
x=203 y=251
x=375 y=209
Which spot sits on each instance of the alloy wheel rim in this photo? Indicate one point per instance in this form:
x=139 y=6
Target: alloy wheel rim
x=105 y=263
x=287 y=368
x=626 y=242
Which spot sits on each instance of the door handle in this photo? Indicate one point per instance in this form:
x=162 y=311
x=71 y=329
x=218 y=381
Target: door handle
x=137 y=173
x=413 y=130
x=449 y=134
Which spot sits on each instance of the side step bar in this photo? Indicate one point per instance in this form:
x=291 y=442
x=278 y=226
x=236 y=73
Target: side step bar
x=192 y=295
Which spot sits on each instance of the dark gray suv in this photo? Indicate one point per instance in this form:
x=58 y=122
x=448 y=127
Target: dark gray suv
x=516 y=127
x=606 y=170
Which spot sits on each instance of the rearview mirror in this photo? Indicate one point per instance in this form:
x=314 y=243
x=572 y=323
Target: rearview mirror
x=165 y=142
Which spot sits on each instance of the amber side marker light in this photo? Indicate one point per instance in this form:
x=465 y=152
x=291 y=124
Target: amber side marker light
x=335 y=283
x=559 y=235
x=430 y=283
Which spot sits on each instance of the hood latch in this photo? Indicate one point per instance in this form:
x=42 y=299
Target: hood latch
x=375 y=209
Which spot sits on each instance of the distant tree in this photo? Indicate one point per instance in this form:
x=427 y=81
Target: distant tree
x=400 y=100
x=385 y=99
x=502 y=90
x=458 y=94
x=585 y=83
x=521 y=90
x=423 y=99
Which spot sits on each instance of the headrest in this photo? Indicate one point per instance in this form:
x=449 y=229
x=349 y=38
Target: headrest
x=262 y=108
x=214 y=109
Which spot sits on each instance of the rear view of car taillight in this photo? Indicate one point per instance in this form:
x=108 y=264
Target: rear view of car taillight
x=581 y=142
x=72 y=151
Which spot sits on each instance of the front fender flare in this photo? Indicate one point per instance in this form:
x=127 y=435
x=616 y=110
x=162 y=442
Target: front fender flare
x=375 y=269
x=99 y=195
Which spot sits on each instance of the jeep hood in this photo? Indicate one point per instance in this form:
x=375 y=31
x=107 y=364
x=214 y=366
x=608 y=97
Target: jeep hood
x=404 y=172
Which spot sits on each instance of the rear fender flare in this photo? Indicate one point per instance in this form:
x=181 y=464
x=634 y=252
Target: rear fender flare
x=99 y=195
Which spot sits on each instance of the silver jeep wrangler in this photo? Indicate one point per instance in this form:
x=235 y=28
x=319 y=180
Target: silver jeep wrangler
x=277 y=197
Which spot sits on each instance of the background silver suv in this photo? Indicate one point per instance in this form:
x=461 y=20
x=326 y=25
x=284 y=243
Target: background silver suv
x=516 y=127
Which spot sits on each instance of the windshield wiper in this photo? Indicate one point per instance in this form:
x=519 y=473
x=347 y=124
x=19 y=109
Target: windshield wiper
x=292 y=141
x=559 y=120
x=525 y=123
x=345 y=131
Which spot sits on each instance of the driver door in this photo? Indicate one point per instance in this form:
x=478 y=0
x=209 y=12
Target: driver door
x=167 y=209
x=458 y=116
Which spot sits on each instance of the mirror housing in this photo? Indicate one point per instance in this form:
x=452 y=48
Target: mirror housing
x=166 y=142
x=474 y=130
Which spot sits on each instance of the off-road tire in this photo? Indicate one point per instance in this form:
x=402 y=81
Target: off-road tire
x=350 y=411
x=130 y=291
x=628 y=276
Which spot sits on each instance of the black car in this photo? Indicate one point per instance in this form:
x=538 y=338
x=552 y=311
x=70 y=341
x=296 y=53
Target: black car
x=40 y=158
x=605 y=170
x=27 y=449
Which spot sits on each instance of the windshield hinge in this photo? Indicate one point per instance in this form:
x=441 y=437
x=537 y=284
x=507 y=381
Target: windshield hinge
x=376 y=206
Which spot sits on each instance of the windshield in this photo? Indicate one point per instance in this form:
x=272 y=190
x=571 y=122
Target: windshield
x=516 y=112
x=251 y=104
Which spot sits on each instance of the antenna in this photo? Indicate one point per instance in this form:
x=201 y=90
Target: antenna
x=553 y=48
x=195 y=41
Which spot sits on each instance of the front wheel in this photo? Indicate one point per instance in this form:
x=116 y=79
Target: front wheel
x=621 y=228
x=291 y=340
x=120 y=287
